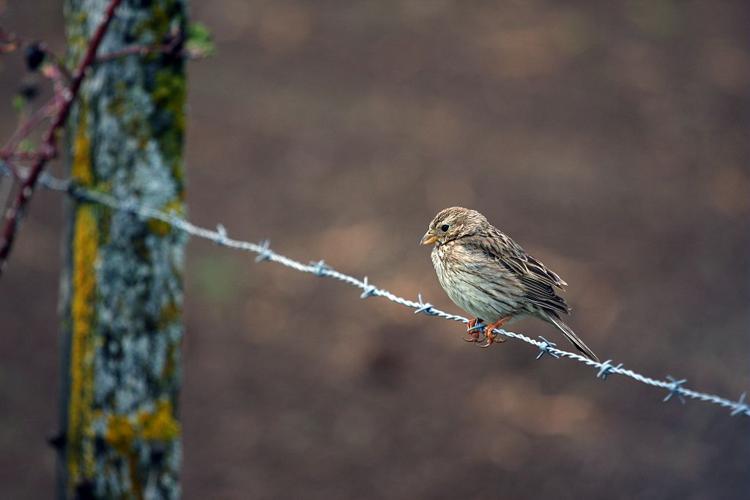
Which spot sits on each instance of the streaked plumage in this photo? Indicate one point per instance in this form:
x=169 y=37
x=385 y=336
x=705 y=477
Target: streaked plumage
x=491 y=277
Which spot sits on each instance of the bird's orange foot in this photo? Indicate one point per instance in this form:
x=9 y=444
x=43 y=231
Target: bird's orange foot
x=490 y=336
x=472 y=332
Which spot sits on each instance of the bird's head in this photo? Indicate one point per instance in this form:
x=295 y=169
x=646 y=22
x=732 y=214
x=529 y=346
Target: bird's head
x=453 y=223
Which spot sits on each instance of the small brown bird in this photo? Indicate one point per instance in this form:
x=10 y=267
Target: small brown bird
x=491 y=277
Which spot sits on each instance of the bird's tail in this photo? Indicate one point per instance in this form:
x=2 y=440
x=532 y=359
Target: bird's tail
x=571 y=336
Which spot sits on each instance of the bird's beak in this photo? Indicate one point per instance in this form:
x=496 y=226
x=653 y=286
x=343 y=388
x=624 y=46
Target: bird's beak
x=428 y=239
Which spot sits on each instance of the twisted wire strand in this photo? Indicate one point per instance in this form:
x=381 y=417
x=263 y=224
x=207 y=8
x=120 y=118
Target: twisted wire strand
x=219 y=236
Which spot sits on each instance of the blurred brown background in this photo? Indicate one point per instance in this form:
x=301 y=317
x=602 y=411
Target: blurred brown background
x=608 y=138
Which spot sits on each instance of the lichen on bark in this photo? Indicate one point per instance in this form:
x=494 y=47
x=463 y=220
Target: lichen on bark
x=122 y=287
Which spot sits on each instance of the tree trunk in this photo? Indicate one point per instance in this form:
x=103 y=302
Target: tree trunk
x=121 y=288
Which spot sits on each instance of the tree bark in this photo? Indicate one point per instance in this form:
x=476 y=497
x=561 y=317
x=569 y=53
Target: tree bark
x=121 y=287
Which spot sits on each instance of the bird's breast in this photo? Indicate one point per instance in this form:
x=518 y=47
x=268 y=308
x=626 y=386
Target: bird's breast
x=475 y=282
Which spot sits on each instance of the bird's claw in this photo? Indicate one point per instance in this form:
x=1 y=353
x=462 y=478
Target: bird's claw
x=489 y=339
x=494 y=339
x=490 y=335
x=472 y=332
x=484 y=334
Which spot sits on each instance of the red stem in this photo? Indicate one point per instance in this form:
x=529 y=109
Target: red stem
x=49 y=141
x=170 y=47
x=21 y=155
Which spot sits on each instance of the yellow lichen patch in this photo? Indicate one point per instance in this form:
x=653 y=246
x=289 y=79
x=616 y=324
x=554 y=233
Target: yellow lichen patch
x=81 y=169
x=161 y=425
x=158 y=425
x=120 y=433
x=80 y=433
x=161 y=228
x=123 y=431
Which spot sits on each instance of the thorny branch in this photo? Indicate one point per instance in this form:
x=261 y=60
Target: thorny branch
x=63 y=101
x=194 y=44
x=174 y=46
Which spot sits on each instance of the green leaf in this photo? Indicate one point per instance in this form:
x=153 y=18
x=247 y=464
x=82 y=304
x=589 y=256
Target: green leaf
x=200 y=42
x=26 y=146
x=19 y=103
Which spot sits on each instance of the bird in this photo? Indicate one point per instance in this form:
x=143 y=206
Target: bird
x=490 y=276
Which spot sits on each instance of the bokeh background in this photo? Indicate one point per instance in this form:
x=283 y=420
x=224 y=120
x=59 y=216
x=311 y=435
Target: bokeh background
x=609 y=138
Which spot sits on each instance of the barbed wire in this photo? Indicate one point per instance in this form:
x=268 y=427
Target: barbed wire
x=674 y=387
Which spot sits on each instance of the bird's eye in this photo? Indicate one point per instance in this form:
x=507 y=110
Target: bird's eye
x=444 y=227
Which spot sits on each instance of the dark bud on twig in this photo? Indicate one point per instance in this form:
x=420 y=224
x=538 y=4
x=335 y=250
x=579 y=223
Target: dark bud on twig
x=34 y=56
x=8 y=42
x=28 y=91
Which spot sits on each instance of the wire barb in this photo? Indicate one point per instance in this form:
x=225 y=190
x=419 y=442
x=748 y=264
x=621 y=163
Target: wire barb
x=368 y=289
x=544 y=348
x=606 y=369
x=741 y=407
x=478 y=326
x=264 y=251
x=675 y=389
x=319 y=268
x=424 y=307
x=221 y=232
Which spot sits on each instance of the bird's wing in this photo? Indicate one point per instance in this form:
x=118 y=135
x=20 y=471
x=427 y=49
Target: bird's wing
x=538 y=281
